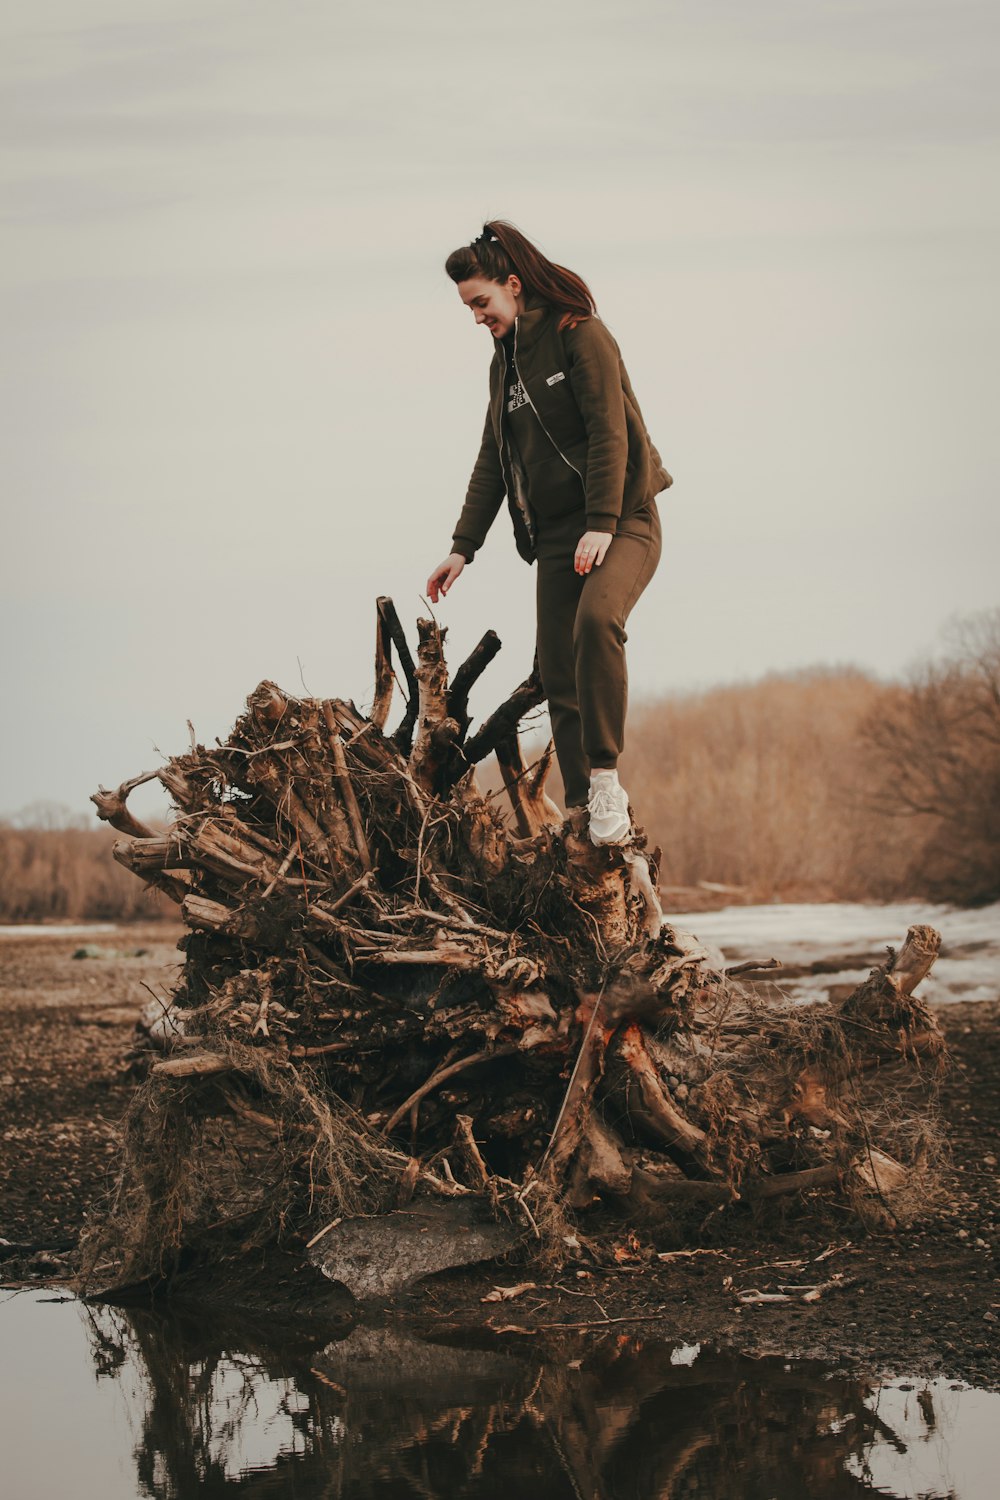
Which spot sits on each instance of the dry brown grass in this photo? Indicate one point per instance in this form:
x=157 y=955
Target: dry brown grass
x=59 y=874
x=828 y=784
x=762 y=785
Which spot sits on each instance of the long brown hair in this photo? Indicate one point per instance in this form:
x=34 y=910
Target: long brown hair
x=502 y=250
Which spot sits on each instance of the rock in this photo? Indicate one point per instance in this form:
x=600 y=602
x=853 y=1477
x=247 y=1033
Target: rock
x=379 y=1257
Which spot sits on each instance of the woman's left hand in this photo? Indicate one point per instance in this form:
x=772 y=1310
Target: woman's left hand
x=590 y=550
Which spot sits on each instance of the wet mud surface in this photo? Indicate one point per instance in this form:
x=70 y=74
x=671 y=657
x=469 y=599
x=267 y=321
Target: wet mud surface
x=922 y=1301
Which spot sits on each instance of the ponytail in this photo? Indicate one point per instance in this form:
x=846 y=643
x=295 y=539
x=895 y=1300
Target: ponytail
x=502 y=251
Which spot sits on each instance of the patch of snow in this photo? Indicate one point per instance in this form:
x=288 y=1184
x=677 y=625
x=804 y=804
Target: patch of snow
x=44 y=929
x=857 y=933
x=685 y=1354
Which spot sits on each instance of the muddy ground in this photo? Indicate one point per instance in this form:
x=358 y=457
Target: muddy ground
x=923 y=1301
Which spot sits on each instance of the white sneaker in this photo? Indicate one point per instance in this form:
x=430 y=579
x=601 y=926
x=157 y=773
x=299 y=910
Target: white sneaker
x=608 y=808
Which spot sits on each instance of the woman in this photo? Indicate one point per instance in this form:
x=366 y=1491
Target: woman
x=565 y=442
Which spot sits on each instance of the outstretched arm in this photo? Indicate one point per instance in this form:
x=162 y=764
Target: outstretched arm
x=483 y=498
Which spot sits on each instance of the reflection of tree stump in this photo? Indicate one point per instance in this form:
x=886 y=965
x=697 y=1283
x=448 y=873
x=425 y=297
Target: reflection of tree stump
x=357 y=906
x=380 y=1411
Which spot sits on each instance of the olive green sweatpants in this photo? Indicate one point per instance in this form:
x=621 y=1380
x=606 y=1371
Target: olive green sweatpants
x=581 y=640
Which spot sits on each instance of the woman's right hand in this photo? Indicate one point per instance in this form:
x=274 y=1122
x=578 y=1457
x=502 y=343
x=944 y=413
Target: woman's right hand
x=444 y=575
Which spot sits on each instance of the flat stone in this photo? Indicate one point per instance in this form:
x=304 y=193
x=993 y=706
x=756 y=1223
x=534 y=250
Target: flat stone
x=378 y=1257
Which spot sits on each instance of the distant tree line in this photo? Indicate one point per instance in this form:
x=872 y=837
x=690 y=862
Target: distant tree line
x=824 y=784
x=828 y=784
x=64 y=871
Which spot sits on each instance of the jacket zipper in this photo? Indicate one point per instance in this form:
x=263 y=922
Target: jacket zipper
x=520 y=501
x=534 y=408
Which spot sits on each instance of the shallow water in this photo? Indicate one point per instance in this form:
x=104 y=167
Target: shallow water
x=104 y=1404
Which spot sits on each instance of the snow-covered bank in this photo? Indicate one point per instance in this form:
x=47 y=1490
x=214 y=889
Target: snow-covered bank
x=855 y=936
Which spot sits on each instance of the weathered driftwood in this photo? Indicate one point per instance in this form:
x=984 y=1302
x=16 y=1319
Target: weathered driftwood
x=504 y=1003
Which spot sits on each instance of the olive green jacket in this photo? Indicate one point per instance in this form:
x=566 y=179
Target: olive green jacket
x=580 y=392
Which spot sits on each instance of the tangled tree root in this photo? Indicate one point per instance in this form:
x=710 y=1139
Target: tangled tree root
x=389 y=990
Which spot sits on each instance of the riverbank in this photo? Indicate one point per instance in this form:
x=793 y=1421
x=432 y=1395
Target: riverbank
x=925 y=1300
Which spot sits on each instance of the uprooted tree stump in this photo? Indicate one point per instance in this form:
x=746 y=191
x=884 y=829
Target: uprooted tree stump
x=390 y=989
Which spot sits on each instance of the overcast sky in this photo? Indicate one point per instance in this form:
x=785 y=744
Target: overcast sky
x=241 y=399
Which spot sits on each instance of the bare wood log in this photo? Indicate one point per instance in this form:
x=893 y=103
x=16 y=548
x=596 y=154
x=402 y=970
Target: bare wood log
x=391 y=630
x=571 y=1120
x=484 y=834
x=212 y=916
x=916 y=958
x=661 y=1112
x=488 y=1054
x=653 y=1196
x=245 y=1111
x=805 y=1181
x=449 y=955
x=187 y=796
x=466 y=1143
x=149 y=858
x=226 y=853
x=329 y=908
x=467 y=676
x=598 y=884
x=505 y=720
x=362 y=739
x=437 y=733
x=753 y=966
x=265 y=776
x=311 y=771
x=656 y=1196
x=347 y=789
x=533 y=809
x=885 y=998
x=384 y=681
x=600 y=1166
x=112 y=806
x=194 y=1065
x=641 y=881
x=267 y=704
x=327 y=1050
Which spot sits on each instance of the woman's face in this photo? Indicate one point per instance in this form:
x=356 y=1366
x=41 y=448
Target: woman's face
x=495 y=303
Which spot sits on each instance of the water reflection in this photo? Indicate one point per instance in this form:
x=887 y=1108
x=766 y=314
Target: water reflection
x=381 y=1413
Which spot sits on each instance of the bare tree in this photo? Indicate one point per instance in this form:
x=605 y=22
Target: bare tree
x=934 y=746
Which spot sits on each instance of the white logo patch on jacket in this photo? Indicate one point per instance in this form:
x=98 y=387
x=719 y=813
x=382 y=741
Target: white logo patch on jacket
x=554 y=379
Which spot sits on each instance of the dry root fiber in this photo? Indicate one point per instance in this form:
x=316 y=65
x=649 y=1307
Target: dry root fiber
x=390 y=988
